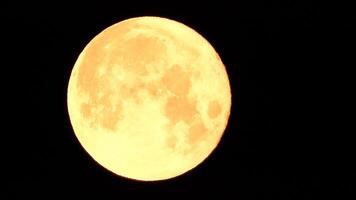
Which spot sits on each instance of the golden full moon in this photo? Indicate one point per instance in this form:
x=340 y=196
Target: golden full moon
x=149 y=98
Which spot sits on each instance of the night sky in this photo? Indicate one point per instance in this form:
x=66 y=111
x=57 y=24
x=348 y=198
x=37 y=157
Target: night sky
x=288 y=64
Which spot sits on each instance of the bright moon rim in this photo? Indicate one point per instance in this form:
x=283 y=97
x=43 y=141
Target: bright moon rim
x=149 y=98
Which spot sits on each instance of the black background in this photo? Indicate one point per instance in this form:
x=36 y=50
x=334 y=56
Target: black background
x=289 y=67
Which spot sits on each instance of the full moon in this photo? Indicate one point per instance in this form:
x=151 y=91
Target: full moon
x=149 y=98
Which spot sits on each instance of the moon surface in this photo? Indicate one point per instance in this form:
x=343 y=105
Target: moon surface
x=149 y=98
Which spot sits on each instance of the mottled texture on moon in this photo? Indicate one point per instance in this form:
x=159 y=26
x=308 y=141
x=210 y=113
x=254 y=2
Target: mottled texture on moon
x=149 y=98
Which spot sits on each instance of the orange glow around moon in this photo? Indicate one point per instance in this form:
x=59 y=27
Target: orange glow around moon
x=149 y=98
